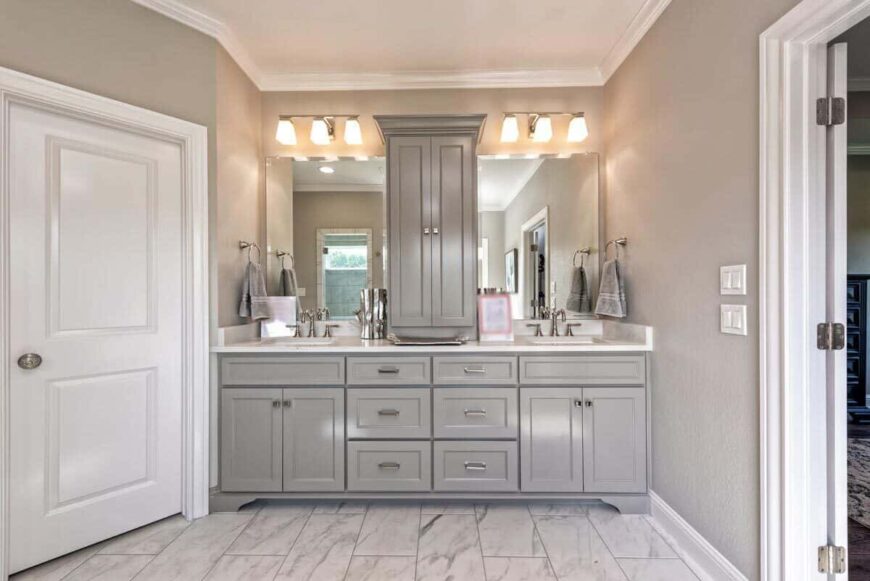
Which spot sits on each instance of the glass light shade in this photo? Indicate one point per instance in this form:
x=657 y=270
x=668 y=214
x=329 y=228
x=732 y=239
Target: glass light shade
x=510 y=129
x=286 y=132
x=352 y=132
x=577 y=130
x=320 y=133
x=542 y=129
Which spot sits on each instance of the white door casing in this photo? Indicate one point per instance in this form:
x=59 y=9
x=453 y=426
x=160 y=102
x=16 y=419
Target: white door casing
x=103 y=271
x=793 y=262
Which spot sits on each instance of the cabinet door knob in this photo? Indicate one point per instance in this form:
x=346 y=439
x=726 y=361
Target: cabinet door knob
x=426 y=231
x=435 y=231
x=288 y=403
x=30 y=361
x=589 y=403
x=276 y=403
x=578 y=403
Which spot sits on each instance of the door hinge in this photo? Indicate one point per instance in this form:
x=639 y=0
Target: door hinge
x=830 y=111
x=831 y=336
x=832 y=560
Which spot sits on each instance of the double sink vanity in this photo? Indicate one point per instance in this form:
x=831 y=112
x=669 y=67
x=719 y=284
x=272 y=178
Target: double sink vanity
x=546 y=417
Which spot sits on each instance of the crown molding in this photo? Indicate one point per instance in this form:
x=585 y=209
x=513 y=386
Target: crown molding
x=210 y=27
x=640 y=25
x=592 y=76
x=482 y=79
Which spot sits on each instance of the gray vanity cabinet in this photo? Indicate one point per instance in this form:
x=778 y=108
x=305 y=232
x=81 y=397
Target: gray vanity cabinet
x=551 y=439
x=614 y=439
x=313 y=439
x=251 y=439
x=432 y=199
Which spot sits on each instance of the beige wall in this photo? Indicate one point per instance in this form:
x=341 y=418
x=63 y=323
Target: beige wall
x=241 y=192
x=569 y=188
x=859 y=214
x=279 y=217
x=313 y=210
x=682 y=183
x=491 y=226
x=494 y=102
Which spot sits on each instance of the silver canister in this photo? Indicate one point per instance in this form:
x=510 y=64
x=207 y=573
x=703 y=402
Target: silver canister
x=372 y=313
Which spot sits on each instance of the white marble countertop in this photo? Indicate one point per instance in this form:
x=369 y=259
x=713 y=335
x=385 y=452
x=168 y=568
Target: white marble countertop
x=613 y=337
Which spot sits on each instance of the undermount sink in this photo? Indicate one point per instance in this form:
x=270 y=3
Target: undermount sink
x=563 y=340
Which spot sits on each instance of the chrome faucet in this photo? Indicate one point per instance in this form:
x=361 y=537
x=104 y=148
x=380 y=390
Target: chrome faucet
x=308 y=316
x=322 y=315
x=554 y=317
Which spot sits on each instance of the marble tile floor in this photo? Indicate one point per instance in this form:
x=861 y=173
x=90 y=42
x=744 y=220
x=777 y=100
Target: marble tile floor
x=284 y=541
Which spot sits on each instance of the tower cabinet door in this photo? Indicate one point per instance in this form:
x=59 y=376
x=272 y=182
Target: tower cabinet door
x=454 y=243
x=614 y=439
x=551 y=439
x=313 y=439
x=410 y=300
x=251 y=439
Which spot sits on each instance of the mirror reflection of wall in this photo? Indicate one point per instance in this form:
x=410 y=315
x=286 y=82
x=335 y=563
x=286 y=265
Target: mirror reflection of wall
x=330 y=215
x=545 y=209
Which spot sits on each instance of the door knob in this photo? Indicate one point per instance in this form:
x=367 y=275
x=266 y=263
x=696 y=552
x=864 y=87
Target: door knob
x=30 y=361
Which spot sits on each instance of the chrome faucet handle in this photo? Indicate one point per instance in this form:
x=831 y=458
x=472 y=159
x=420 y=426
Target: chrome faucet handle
x=537 y=327
x=570 y=329
x=322 y=314
x=327 y=329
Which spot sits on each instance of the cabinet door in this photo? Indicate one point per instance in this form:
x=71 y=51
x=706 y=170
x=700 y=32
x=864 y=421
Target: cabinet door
x=551 y=447
x=250 y=440
x=614 y=439
x=313 y=439
x=454 y=243
x=410 y=255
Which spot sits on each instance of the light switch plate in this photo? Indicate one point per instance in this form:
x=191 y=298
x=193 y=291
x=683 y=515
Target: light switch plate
x=732 y=279
x=732 y=319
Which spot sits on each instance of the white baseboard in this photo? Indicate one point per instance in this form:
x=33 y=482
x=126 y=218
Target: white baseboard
x=702 y=557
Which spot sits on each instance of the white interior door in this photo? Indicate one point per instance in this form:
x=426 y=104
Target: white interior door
x=836 y=227
x=96 y=291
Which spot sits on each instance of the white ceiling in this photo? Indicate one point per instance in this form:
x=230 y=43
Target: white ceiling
x=500 y=180
x=387 y=44
x=350 y=175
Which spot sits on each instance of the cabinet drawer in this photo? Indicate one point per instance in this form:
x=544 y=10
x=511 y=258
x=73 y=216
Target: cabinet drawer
x=388 y=371
x=475 y=370
x=389 y=466
x=586 y=370
x=388 y=413
x=476 y=466
x=481 y=412
x=282 y=370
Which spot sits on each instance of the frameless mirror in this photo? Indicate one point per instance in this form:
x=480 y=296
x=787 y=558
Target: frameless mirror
x=538 y=232
x=329 y=219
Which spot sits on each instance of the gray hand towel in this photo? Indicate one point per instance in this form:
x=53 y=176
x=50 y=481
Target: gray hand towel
x=288 y=282
x=611 y=296
x=578 y=299
x=253 y=304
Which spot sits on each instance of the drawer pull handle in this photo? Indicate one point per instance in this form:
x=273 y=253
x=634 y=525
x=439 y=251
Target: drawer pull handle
x=389 y=465
x=480 y=412
x=475 y=465
x=388 y=370
x=472 y=370
x=388 y=412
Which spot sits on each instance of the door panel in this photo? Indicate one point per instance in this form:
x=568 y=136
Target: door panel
x=251 y=439
x=614 y=439
x=454 y=244
x=410 y=249
x=95 y=247
x=313 y=439
x=551 y=447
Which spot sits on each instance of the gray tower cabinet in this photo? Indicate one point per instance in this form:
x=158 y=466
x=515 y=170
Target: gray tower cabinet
x=432 y=199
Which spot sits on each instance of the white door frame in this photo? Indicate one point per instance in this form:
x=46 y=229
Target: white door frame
x=19 y=88
x=793 y=58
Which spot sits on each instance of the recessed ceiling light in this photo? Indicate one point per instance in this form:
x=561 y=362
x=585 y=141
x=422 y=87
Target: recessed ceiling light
x=326 y=169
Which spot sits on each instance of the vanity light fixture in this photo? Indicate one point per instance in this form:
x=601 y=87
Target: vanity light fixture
x=286 y=132
x=540 y=128
x=510 y=129
x=352 y=131
x=322 y=130
x=577 y=129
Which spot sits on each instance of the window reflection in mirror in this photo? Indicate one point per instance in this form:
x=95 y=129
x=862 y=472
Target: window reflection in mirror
x=330 y=217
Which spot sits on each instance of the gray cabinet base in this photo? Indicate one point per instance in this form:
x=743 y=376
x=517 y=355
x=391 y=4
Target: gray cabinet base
x=624 y=503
